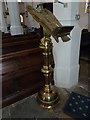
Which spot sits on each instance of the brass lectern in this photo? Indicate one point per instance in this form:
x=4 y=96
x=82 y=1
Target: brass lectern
x=48 y=96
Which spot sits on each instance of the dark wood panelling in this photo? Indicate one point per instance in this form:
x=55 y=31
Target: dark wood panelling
x=21 y=67
x=85 y=45
x=49 y=6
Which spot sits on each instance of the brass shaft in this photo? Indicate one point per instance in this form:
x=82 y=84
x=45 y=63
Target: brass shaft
x=47 y=97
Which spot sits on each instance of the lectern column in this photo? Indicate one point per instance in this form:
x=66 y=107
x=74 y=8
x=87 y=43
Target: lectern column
x=16 y=27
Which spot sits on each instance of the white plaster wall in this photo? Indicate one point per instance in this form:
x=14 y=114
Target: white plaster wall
x=15 y=28
x=3 y=18
x=66 y=13
x=29 y=21
x=1 y=14
x=66 y=54
x=83 y=22
x=8 y=19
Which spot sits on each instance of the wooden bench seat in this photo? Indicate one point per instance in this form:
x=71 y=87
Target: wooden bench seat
x=22 y=61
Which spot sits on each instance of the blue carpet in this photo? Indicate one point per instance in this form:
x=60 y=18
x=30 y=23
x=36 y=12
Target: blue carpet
x=78 y=106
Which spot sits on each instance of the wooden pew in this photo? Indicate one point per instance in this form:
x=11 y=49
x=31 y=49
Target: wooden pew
x=85 y=45
x=16 y=43
x=21 y=67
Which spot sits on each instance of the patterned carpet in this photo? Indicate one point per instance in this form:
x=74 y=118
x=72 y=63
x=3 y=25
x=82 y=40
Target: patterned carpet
x=78 y=106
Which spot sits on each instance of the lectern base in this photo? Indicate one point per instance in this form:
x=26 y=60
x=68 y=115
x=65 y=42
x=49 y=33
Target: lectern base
x=48 y=97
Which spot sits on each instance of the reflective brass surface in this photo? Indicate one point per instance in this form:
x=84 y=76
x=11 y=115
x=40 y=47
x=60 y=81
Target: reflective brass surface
x=48 y=96
x=50 y=23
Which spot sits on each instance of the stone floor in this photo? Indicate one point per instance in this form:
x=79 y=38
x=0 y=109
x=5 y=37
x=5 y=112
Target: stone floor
x=29 y=108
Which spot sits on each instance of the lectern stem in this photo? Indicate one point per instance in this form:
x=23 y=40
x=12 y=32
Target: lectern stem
x=48 y=96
